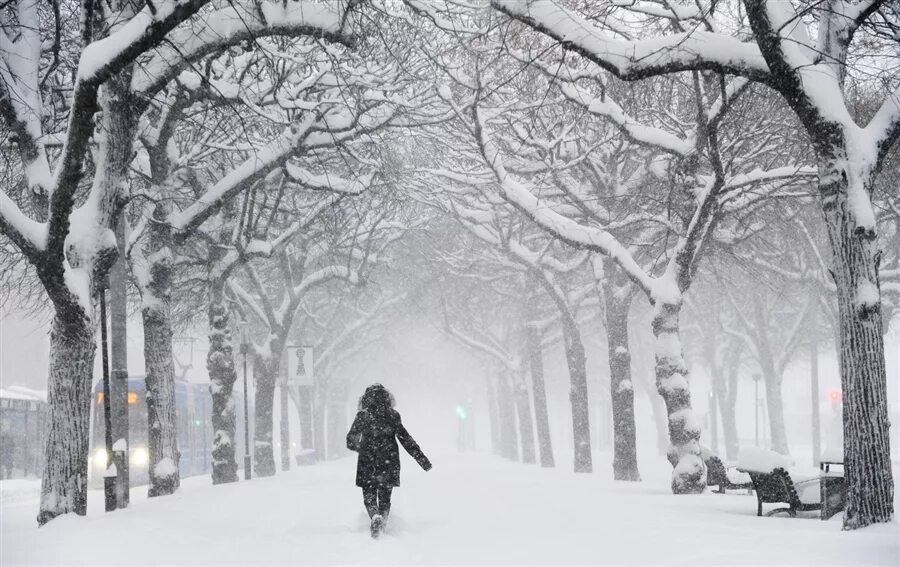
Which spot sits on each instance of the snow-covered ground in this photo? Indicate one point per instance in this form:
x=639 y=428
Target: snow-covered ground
x=468 y=509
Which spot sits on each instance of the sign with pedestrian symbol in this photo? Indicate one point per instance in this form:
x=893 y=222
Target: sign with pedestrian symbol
x=299 y=365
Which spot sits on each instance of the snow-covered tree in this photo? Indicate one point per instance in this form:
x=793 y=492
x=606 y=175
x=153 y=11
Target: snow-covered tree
x=125 y=53
x=802 y=52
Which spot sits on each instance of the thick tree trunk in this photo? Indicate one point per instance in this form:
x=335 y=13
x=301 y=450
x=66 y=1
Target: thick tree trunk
x=867 y=451
x=222 y=376
x=536 y=362
x=689 y=473
x=526 y=423
x=775 y=407
x=264 y=416
x=620 y=385
x=578 y=395
x=509 y=442
x=64 y=480
x=162 y=435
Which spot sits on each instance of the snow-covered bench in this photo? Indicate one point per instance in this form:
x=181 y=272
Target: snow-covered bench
x=725 y=478
x=778 y=487
x=773 y=483
x=717 y=474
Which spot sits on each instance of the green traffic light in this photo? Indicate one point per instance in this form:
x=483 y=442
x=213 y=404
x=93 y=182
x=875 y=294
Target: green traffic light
x=461 y=412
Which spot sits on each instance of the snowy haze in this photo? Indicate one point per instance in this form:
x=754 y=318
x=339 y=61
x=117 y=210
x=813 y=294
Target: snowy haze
x=595 y=250
x=430 y=374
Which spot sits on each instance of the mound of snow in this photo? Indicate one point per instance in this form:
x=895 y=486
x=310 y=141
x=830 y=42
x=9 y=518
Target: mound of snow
x=757 y=459
x=735 y=476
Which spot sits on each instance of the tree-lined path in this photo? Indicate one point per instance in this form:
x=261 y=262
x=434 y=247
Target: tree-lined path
x=470 y=509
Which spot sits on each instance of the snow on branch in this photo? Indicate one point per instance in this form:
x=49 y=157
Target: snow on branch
x=693 y=50
x=884 y=128
x=231 y=24
x=666 y=9
x=606 y=107
x=327 y=181
x=564 y=228
x=20 y=95
x=474 y=343
x=28 y=235
x=333 y=346
x=325 y=275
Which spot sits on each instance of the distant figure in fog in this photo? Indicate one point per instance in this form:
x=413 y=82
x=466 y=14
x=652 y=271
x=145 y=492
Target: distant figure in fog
x=374 y=436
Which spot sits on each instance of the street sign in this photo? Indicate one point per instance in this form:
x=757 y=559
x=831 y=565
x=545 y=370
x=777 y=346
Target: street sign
x=299 y=365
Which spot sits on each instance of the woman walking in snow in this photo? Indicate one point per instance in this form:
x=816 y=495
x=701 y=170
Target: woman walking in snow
x=374 y=435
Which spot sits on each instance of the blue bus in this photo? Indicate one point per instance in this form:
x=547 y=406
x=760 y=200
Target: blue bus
x=193 y=408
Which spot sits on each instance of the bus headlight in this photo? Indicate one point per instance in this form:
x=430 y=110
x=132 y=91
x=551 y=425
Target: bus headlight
x=101 y=459
x=140 y=457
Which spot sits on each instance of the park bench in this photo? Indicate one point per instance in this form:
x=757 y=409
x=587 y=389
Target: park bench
x=717 y=475
x=716 y=472
x=777 y=487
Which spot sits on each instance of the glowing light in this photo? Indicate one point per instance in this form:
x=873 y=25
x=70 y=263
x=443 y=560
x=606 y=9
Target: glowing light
x=834 y=395
x=140 y=457
x=132 y=398
x=461 y=412
x=101 y=459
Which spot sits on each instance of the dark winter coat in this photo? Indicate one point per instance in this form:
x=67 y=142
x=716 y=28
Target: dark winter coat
x=374 y=436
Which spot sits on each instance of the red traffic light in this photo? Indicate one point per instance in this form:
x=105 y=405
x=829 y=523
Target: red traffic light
x=834 y=395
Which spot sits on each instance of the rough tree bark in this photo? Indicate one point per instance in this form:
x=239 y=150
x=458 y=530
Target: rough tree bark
x=156 y=313
x=222 y=376
x=617 y=301
x=672 y=384
x=536 y=363
x=622 y=393
x=848 y=160
x=72 y=349
x=578 y=395
x=263 y=418
x=867 y=451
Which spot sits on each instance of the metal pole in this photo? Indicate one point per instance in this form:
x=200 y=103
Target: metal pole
x=247 y=473
x=814 y=393
x=118 y=356
x=109 y=481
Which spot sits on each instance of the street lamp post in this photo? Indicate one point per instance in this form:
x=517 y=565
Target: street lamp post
x=109 y=474
x=814 y=396
x=756 y=378
x=245 y=349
